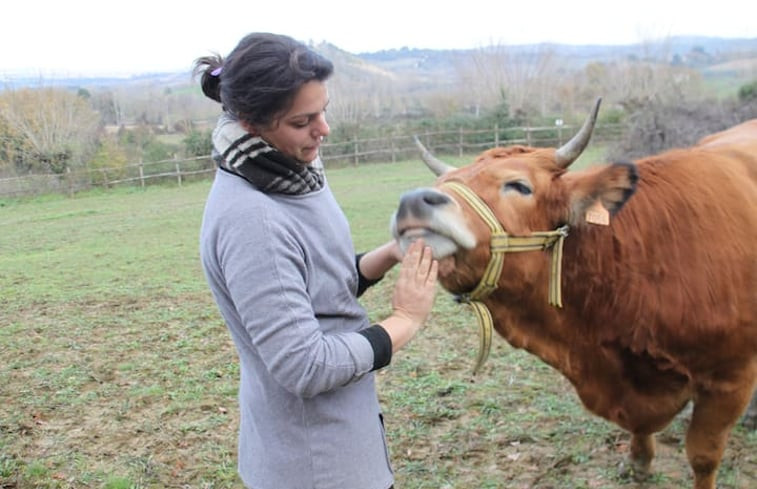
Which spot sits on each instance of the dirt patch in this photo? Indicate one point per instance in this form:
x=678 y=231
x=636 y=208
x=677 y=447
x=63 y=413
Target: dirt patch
x=145 y=389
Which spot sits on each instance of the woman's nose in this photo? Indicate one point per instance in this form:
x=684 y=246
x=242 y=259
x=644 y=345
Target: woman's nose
x=322 y=128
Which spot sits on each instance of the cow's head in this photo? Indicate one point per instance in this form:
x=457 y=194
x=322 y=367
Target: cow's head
x=528 y=190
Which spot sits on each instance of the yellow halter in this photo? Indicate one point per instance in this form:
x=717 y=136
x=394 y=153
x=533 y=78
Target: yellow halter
x=500 y=244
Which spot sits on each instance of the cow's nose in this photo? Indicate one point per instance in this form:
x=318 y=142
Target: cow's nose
x=421 y=202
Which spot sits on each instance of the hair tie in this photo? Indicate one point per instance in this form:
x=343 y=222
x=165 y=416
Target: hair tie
x=217 y=71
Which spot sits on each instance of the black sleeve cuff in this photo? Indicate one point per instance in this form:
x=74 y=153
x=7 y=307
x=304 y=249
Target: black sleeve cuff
x=362 y=282
x=381 y=343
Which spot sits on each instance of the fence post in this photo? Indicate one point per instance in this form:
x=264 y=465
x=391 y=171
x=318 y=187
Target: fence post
x=528 y=136
x=141 y=174
x=393 y=147
x=178 y=170
x=69 y=181
x=496 y=135
x=460 y=142
x=355 y=151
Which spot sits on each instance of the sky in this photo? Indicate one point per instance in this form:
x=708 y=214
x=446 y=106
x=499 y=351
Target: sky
x=51 y=38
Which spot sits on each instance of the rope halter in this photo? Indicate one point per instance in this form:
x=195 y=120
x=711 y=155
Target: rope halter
x=500 y=244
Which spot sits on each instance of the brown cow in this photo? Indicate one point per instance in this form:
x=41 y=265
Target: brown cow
x=654 y=285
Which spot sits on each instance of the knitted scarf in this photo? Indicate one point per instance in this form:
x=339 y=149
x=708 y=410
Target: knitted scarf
x=239 y=152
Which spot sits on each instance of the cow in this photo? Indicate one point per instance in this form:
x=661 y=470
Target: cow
x=636 y=280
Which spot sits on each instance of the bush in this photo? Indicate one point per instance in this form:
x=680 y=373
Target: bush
x=748 y=92
x=198 y=143
x=109 y=162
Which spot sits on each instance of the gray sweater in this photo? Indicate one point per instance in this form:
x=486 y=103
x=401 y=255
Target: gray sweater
x=282 y=271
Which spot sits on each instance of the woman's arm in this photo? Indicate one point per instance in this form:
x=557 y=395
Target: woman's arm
x=374 y=264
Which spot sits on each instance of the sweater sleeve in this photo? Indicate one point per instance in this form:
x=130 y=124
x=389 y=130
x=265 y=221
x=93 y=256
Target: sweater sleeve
x=364 y=283
x=381 y=343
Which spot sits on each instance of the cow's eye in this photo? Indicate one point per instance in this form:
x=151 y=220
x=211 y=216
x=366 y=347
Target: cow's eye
x=518 y=186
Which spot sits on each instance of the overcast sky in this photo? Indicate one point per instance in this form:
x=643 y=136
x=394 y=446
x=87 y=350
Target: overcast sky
x=84 y=37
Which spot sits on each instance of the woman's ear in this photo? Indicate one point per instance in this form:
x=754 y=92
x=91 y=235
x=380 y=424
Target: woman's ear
x=249 y=128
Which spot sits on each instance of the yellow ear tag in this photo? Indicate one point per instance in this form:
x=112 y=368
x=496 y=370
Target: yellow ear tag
x=597 y=214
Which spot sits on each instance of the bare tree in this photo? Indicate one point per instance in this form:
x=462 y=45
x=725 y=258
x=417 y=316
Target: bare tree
x=56 y=127
x=527 y=79
x=108 y=105
x=665 y=105
x=357 y=98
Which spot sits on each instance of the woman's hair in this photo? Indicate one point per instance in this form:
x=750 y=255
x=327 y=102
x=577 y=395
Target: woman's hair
x=259 y=79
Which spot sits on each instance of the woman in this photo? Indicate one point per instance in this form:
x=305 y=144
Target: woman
x=278 y=256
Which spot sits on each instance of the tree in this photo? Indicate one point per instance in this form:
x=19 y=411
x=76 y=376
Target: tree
x=198 y=143
x=12 y=151
x=108 y=163
x=748 y=92
x=526 y=78
x=55 y=128
x=108 y=105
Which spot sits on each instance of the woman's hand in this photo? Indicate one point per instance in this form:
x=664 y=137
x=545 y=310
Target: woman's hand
x=414 y=294
x=416 y=286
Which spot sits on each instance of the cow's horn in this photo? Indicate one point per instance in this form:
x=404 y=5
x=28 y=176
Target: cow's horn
x=436 y=165
x=570 y=151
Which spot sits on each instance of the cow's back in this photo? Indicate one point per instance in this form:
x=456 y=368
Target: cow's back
x=682 y=251
x=740 y=142
x=742 y=135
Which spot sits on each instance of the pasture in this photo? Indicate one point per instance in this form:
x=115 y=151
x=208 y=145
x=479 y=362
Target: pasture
x=117 y=371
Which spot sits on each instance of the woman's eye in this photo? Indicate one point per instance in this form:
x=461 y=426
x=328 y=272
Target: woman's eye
x=520 y=187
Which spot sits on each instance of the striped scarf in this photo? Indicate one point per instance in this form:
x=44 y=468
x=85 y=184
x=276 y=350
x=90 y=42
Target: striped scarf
x=237 y=151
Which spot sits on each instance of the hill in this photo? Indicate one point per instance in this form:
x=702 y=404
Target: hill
x=712 y=56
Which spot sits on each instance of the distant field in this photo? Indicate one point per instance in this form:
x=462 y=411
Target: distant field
x=172 y=139
x=118 y=373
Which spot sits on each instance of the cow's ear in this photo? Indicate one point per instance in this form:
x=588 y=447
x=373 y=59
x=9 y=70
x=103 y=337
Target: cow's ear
x=600 y=189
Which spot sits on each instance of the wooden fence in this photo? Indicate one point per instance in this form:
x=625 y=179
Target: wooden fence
x=390 y=148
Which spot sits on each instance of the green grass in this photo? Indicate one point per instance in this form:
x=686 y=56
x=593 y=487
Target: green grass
x=118 y=372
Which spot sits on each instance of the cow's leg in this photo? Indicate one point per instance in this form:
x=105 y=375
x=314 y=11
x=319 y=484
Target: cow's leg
x=642 y=453
x=713 y=417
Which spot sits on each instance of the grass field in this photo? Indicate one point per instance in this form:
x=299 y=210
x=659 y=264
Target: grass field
x=117 y=372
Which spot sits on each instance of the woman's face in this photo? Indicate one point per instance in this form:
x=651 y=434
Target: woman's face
x=299 y=131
